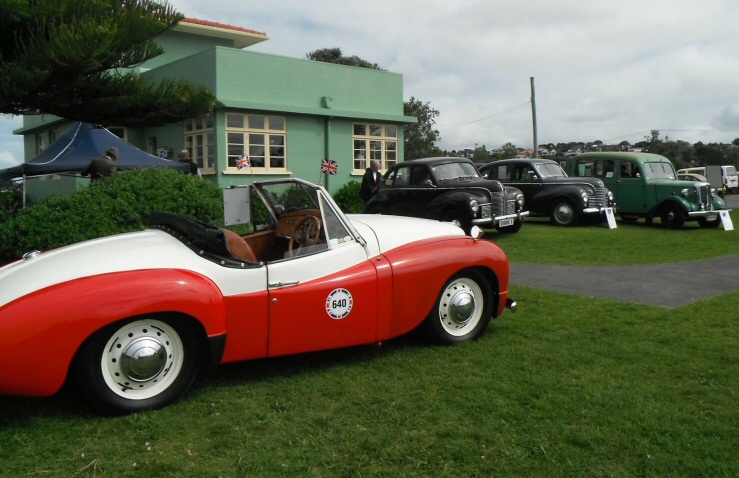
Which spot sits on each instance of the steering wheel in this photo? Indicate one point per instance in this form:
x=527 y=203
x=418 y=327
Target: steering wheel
x=306 y=232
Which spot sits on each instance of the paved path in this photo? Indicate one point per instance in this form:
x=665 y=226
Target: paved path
x=661 y=285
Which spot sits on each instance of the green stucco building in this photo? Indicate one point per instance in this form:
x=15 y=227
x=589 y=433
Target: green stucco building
x=285 y=114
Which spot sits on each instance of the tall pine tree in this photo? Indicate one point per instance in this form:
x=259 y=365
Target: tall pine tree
x=76 y=58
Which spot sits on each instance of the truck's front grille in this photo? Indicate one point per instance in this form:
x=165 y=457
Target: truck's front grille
x=704 y=196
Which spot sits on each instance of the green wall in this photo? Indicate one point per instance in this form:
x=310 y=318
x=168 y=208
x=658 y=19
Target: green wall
x=320 y=102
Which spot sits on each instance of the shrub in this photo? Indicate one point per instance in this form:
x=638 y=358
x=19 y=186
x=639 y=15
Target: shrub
x=120 y=203
x=347 y=197
x=10 y=202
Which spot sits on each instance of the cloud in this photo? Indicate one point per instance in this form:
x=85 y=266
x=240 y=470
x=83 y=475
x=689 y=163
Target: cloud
x=606 y=71
x=728 y=119
x=8 y=160
x=11 y=146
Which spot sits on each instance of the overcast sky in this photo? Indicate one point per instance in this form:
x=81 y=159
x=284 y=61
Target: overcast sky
x=603 y=70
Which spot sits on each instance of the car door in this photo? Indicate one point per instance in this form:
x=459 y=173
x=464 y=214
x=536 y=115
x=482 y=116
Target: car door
x=395 y=198
x=325 y=299
x=630 y=188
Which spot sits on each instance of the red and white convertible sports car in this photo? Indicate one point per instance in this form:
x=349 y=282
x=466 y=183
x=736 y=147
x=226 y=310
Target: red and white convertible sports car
x=133 y=318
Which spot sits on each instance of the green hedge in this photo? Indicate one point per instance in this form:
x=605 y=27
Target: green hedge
x=347 y=198
x=120 y=203
x=10 y=202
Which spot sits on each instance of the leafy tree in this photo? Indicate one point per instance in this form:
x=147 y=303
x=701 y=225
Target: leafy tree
x=480 y=155
x=509 y=150
x=334 y=55
x=707 y=154
x=420 y=137
x=73 y=59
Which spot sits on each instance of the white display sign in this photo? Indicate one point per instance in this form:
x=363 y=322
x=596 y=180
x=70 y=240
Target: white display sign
x=726 y=221
x=611 y=218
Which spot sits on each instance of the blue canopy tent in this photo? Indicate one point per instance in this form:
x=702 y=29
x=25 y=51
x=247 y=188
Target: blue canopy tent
x=72 y=152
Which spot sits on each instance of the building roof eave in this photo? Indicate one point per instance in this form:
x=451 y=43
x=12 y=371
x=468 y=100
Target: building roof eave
x=241 y=37
x=324 y=112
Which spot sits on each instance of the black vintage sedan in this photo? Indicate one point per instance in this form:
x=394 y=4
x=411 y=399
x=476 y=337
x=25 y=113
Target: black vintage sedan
x=448 y=189
x=550 y=192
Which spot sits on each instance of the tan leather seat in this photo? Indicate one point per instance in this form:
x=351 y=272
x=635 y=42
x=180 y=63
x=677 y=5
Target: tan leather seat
x=238 y=247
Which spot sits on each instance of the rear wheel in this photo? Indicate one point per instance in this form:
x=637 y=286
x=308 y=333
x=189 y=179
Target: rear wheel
x=462 y=310
x=563 y=213
x=137 y=365
x=672 y=217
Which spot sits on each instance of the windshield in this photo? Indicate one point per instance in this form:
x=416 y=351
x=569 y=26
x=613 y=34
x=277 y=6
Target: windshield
x=659 y=171
x=550 y=170
x=454 y=171
x=290 y=196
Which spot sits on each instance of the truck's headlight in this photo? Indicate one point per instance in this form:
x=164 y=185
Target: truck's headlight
x=475 y=206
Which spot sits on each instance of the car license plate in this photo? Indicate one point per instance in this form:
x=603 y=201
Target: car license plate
x=712 y=217
x=506 y=222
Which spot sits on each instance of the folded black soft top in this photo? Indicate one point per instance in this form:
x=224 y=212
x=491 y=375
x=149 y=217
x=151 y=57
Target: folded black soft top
x=207 y=237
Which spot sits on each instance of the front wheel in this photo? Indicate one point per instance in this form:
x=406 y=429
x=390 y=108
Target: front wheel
x=462 y=310
x=458 y=218
x=706 y=224
x=672 y=217
x=563 y=213
x=137 y=365
x=512 y=229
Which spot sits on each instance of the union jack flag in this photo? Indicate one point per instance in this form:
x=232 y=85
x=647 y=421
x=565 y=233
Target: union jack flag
x=329 y=166
x=243 y=162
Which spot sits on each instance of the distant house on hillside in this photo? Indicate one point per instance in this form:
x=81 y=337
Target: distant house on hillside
x=285 y=113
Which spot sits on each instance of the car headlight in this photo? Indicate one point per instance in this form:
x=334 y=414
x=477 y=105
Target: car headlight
x=585 y=197
x=610 y=196
x=475 y=206
x=686 y=192
x=519 y=200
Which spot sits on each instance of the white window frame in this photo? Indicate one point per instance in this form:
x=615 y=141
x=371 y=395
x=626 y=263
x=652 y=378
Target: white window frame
x=200 y=141
x=374 y=141
x=243 y=133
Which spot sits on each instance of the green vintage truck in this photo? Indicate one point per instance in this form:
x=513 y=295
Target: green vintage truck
x=645 y=185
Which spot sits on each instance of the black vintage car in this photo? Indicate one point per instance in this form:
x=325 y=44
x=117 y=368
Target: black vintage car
x=448 y=189
x=550 y=192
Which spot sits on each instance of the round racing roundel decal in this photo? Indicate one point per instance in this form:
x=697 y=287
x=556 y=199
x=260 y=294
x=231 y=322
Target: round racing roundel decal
x=339 y=303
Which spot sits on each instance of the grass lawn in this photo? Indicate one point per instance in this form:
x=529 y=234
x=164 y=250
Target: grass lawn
x=567 y=386
x=630 y=243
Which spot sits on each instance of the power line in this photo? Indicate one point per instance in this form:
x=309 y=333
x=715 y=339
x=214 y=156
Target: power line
x=448 y=126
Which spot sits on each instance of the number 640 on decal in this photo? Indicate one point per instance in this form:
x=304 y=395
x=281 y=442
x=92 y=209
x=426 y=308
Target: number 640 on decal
x=339 y=303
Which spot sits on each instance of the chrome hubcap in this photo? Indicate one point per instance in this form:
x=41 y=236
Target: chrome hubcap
x=460 y=307
x=563 y=213
x=142 y=359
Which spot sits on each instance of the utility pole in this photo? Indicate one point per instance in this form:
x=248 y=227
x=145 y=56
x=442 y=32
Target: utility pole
x=533 y=117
